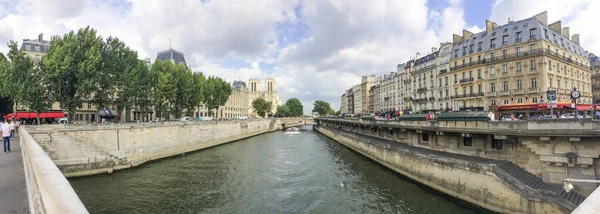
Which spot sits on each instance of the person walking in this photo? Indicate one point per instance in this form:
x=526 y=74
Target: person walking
x=12 y=128
x=5 y=128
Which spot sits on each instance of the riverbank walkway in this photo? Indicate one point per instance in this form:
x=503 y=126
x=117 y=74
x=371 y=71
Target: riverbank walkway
x=13 y=192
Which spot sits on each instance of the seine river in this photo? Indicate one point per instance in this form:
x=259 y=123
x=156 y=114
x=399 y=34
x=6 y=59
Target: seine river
x=270 y=173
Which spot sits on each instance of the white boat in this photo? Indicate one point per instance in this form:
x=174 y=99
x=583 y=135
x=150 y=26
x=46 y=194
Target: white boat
x=292 y=131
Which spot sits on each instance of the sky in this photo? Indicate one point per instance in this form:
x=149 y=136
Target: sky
x=313 y=48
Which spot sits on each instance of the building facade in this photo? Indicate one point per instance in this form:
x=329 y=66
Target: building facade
x=269 y=93
x=423 y=75
x=365 y=86
x=171 y=55
x=595 y=67
x=517 y=63
x=344 y=103
x=442 y=94
x=357 y=90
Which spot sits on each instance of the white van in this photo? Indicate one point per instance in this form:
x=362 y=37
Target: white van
x=63 y=120
x=184 y=119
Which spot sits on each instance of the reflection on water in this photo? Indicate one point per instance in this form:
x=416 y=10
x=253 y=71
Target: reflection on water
x=270 y=173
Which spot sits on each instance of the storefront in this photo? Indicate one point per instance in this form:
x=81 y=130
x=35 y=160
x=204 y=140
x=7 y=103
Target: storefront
x=46 y=117
x=533 y=109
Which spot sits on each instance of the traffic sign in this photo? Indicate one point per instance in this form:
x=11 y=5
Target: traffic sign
x=551 y=94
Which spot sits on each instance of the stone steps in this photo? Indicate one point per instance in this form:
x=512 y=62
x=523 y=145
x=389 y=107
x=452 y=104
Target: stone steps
x=535 y=182
x=65 y=150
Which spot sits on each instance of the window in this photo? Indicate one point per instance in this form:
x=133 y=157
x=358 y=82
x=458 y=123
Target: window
x=455 y=78
x=518 y=51
x=546 y=33
x=470 y=74
x=464 y=90
x=520 y=100
x=532 y=64
x=478 y=73
x=496 y=144
x=471 y=49
x=479 y=46
x=518 y=34
x=492 y=73
x=455 y=91
x=550 y=80
x=504 y=54
x=493 y=102
x=470 y=61
x=391 y=132
x=467 y=141
x=479 y=88
x=455 y=55
x=505 y=102
x=425 y=137
x=493 y=43
x=533 y=83
x=532 y=33
x=446 y=80
x=549 y=65
x=470 y=89
x=518 y=66
x=557 y=83
x=492 y=87
x=504 y=69
x=464 y=51
x=534 y=100
x=532 y=48
x=463 y=75
x=505 y=86
x=479 y=59
x=505 y=39
x=491 y=56
x=519 y=84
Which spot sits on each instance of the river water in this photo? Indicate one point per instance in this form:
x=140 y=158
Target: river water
x=269 y=173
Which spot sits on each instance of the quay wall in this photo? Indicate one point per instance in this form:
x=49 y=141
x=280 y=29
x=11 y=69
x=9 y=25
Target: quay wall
x=87 y=150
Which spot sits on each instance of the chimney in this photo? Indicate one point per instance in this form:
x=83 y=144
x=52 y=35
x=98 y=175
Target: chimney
x=41 y=37
x=456 y=38
x=489 y=26
x=433 y=49
x=467 y=34
x=556 y=26
x=542 y=17
x=565 y=32
x=575 y=38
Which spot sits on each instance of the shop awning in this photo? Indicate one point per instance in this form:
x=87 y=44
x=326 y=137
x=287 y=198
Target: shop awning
x=32 y=115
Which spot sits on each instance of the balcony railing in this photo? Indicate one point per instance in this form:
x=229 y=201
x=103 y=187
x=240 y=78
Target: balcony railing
x=534 y=90
x=431 y=98
x=518 y=91
x=507 y=92
x=504 y=74
x=422 y=89
x=421 y=100
x=426 y=68
x=492 y=93
x=443 y=71
x=593 y=86
x=470 y=79
x=595 y=75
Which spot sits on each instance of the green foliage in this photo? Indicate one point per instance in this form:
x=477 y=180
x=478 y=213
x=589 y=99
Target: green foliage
x=261 y=106
x=283 y=111
x=197 y=94
x=116 y=75
x=15 y=73
x=216 y=93
x=163 y=87
x=38 y=97
x=323 y=108
x=295 y=107
x=181 y=78
x=72 y=63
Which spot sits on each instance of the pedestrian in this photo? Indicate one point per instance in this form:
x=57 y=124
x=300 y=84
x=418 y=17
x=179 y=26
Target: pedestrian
x=5 y=128
x=12 y=128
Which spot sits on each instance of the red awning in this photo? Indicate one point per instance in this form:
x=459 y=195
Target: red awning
x=32 y=115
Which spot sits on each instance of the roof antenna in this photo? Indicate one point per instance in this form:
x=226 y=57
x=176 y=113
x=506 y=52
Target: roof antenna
x=170 y=44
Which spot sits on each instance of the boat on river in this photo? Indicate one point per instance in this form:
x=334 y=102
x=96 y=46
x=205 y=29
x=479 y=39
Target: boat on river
x=292 y=131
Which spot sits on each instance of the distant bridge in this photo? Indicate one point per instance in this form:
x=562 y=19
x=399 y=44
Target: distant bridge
x=295 y=121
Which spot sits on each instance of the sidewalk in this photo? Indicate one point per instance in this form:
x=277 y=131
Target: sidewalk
x=13 y=193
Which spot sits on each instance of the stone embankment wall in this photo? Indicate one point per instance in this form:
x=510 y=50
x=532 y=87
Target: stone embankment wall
x=480 y=181
x=95 y=149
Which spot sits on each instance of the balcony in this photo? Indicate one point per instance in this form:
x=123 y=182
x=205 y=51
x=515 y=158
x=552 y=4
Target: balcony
x=563 y=91
x=492 y=75
x=426 y=68
x=421 y=100
x=534 y=90
x=507 y=92
x=518 y=91
x=465 y=80
x=533 y=70
x=504 y=74
x=594 y=86
x=431 y=98
x=595 y=75
x=443 y=71
x=492 y=93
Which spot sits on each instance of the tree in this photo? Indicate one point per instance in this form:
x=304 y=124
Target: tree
x=216 y=93
x=37 y=97
x=182 y=82
x=142 y=97
x=261 y=106
x=322 y=108
x=295 y=107
x=15 y=73
x=163 y=89
x=197 y=94
x=283 y=111
x=116 y=76
x=72 y=62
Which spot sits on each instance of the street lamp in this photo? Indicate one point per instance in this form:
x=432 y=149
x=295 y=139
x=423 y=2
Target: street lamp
x=567 y=186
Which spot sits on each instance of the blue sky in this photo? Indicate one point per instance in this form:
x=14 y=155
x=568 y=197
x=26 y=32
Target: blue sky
x=315 y=49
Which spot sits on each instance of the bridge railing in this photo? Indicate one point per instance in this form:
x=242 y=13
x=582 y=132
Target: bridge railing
x=48 y=191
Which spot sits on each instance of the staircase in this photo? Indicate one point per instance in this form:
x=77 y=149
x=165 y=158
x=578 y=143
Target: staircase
x=535 y=182
x=64 y=150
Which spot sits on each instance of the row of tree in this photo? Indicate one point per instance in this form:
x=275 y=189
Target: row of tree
x=323 y=108
x=83 y=67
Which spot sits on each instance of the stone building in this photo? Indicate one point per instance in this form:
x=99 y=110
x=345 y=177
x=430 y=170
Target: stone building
x=269 y=94
x=357 y=90
x=517 y=63
x=35 y=48
x=344 y=103
x=171 y=55
x=442 y=95
x=365 y=86
x=377 y=96
x=595 y=67
x=424 y=75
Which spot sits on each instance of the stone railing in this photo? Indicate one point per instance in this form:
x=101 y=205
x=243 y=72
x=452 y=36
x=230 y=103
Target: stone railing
x=48 y=191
